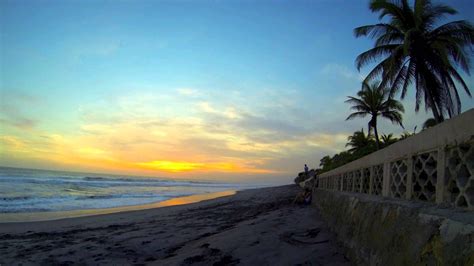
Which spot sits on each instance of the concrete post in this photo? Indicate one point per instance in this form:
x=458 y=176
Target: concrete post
x=341 y=178
x=409 y=191
x=440 y=174
x=371 y=182
x=353 y=181
x=386 y=180
x=341 y=183
x=361 y=186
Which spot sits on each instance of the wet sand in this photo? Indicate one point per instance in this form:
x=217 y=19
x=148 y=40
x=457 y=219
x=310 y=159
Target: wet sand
x=45 y=216
x=252 y=227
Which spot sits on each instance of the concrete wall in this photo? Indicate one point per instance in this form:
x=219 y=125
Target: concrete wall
x=408 y=204
x=435 y=165
x=384 y=231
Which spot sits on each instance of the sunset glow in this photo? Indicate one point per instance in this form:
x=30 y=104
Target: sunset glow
x=224 y=93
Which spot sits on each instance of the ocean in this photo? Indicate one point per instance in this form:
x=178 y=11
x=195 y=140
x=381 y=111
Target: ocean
x=28 y=190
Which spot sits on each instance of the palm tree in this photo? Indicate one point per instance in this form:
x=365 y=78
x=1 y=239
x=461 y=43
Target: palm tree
x=413 y=49
x=375 y=100
x=406 y=134
x=359 y=141
x=430 y=122
x=325 y=162
x=388 y=139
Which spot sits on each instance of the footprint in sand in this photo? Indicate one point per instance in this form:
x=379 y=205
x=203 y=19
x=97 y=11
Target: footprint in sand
x=211 y=256
x=303 y=237
x=254 y=243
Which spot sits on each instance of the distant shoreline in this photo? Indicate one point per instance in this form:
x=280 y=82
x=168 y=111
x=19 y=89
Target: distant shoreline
x=56 y=215
x=30 y=195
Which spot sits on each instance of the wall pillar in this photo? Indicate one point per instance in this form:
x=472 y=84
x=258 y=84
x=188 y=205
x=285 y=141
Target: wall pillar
x=386 y=179
x=353 y=175
x=371 y=182
x=440 y=174
x=409 y=191
x=341 y=182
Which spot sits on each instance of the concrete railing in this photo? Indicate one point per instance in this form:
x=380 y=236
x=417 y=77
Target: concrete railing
x=435 y=165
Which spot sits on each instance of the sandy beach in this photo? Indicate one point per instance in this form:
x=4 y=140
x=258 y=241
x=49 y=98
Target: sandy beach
x=252 y=227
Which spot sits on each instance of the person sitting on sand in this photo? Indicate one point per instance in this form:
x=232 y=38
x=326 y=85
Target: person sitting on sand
x=308 y=196
x=304 y=197
x=299 y=198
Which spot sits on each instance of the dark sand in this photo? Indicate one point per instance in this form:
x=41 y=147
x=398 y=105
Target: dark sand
x=253 y=227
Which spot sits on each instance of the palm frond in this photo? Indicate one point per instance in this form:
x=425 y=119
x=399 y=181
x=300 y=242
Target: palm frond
x=412 y=50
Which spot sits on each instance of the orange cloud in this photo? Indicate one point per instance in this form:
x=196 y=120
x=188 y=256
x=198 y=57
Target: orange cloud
x=183 y=166
x=200 y=139
x=171 y=166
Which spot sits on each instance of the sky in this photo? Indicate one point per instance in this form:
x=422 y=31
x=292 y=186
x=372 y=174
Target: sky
x=212 y=90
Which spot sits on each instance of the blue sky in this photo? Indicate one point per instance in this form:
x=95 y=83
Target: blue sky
x=250 y=76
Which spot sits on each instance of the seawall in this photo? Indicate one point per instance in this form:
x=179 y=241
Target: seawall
x=386 y=231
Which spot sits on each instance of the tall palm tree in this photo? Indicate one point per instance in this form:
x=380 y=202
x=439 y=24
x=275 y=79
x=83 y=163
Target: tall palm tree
x=375 y=101
x=414 y=49
x=359 y=141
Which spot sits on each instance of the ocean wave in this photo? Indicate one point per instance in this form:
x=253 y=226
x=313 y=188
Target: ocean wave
x=15 y=198
x=28 y=191
x=93 y=178
x=131 y=196
x=42 y=204
x=22 y=200
x=20 y=210
x=107 y=182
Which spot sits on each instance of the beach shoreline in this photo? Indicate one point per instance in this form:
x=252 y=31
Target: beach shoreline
x=254 y=226
x=57 y=215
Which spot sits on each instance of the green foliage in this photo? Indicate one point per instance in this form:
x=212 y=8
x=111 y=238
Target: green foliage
x=302 y=176
x=412 y=48
x=388 y=140
x=430 y=122
x=360 y=144
x=405 y=135
x=358 y=141
x=375 y=101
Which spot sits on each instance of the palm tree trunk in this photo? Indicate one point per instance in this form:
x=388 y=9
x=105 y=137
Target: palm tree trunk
x=377 y=141
x=374 y=124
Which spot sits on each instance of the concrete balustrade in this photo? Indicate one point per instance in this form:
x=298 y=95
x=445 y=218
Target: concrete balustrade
x=435 y=165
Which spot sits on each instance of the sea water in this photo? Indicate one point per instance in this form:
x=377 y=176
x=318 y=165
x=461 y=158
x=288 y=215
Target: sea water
x=28 y=190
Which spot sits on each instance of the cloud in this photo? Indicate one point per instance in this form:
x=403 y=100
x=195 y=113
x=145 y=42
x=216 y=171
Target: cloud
x=206 y=107
x=228 y=112
x=184 y=166
x=283 y=128
x=12 y=142
x=187 y=91
x=19 y=122
x=13 y=116
x=338 y=70
x=212 y=136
